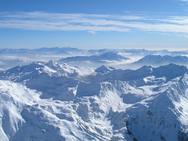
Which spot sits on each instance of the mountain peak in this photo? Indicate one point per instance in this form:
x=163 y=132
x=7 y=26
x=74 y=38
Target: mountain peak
x=103 y=69
x=170 y=71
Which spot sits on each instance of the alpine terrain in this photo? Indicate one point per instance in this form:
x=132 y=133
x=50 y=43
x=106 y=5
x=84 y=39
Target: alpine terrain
x=56 y=101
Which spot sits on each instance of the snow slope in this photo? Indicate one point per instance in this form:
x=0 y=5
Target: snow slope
x=24 y=116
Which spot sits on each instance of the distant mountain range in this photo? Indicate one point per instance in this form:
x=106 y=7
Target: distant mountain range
x=90 y=58
x=52 y=50
x=157 y=60
x=60 y=50
x=102 y=57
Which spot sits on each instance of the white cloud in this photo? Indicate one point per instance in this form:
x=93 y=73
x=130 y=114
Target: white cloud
x=92 y=22
x=184 y=1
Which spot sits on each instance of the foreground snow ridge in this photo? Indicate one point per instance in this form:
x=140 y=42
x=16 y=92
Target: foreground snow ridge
x=54 y=102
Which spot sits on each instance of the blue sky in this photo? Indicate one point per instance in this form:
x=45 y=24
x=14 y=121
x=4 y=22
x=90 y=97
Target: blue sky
x=149 y=24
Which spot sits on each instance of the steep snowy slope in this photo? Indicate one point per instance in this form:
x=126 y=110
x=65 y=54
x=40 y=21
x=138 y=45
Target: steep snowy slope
x=24 y=116
x=162 y=116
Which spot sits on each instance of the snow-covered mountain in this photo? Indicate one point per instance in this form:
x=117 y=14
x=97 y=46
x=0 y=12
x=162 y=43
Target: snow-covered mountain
x=54 y=80
x=106 y=56
x=57 y=102
x=97 y=58
x=158 y=60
